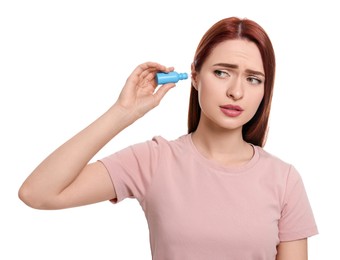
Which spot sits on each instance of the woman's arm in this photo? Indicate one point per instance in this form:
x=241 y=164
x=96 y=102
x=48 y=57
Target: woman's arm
x=65 y=178
x=296 y=250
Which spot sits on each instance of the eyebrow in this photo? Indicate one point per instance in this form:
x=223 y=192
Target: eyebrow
x=234 y=66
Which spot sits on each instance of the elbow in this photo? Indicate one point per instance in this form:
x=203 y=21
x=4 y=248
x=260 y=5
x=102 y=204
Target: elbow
x=28 y=196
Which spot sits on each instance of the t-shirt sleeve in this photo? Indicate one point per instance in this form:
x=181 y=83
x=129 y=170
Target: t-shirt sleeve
x=297 y=220
x=131 y=169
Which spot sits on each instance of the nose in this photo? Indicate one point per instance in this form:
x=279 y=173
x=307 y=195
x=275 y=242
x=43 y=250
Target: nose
x=235 y=89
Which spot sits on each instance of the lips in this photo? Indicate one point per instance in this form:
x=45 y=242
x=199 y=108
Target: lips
x=231 y=110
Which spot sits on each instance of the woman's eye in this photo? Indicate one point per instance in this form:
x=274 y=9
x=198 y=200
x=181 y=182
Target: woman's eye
x=254 y=80
x=221 y=73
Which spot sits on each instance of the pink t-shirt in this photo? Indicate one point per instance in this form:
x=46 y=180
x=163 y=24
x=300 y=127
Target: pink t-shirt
x=199 y=209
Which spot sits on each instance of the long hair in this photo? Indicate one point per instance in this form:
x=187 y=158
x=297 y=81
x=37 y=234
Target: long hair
x=231 y=28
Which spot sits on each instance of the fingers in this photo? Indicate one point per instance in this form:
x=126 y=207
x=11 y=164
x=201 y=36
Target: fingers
x=148 y=70
x=153 y=66
x=160 y=93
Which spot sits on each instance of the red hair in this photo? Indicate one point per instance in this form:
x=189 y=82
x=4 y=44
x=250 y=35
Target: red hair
x=231 y=28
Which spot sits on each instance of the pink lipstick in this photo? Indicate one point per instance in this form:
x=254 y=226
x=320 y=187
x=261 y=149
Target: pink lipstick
x=231 y=110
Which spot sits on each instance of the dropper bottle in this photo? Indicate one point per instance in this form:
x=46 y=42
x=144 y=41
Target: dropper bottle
x=171 y=77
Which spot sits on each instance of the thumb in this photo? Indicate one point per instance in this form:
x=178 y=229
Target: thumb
x=160 y=93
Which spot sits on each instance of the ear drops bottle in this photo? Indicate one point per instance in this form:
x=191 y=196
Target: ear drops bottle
x=171 y=77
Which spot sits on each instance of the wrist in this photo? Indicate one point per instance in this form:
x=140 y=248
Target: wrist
x=122 y=115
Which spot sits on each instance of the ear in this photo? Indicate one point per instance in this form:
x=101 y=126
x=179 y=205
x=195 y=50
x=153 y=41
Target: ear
x=193 y=76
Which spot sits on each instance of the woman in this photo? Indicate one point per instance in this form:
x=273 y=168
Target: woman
x=213 y=193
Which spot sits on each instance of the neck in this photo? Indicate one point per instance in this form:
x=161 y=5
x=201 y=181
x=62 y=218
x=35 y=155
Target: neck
x=223 y=145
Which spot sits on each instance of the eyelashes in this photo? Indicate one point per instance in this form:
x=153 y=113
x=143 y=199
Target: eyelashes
x=222 y=74
x=254 y=80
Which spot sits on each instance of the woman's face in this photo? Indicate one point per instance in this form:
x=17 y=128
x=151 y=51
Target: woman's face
x=230 y=84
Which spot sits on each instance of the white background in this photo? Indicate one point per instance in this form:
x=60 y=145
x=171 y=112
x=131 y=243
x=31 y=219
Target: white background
x=63 y=63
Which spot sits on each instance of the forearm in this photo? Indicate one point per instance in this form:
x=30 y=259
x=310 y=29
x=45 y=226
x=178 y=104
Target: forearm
x=63 y=179
x=63 y=166
x=296 y=249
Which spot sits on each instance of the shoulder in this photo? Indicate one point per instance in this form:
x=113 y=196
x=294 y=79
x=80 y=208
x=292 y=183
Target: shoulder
x=272 y=159
x=149 y=149
x=152 y=147
x=269 y=157
x=276 y=165
x=169 y=144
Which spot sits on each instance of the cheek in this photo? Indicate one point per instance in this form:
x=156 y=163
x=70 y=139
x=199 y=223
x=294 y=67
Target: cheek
x=210 y=88
x=206 y=92
x=259 y=99
x=256 y=100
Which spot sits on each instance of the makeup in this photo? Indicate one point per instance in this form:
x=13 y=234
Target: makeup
x=231 y=110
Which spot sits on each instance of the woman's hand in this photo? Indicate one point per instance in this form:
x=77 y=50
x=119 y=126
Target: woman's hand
x=139 y=95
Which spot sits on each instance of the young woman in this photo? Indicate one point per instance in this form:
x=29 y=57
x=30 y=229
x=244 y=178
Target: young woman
x=213 y=193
